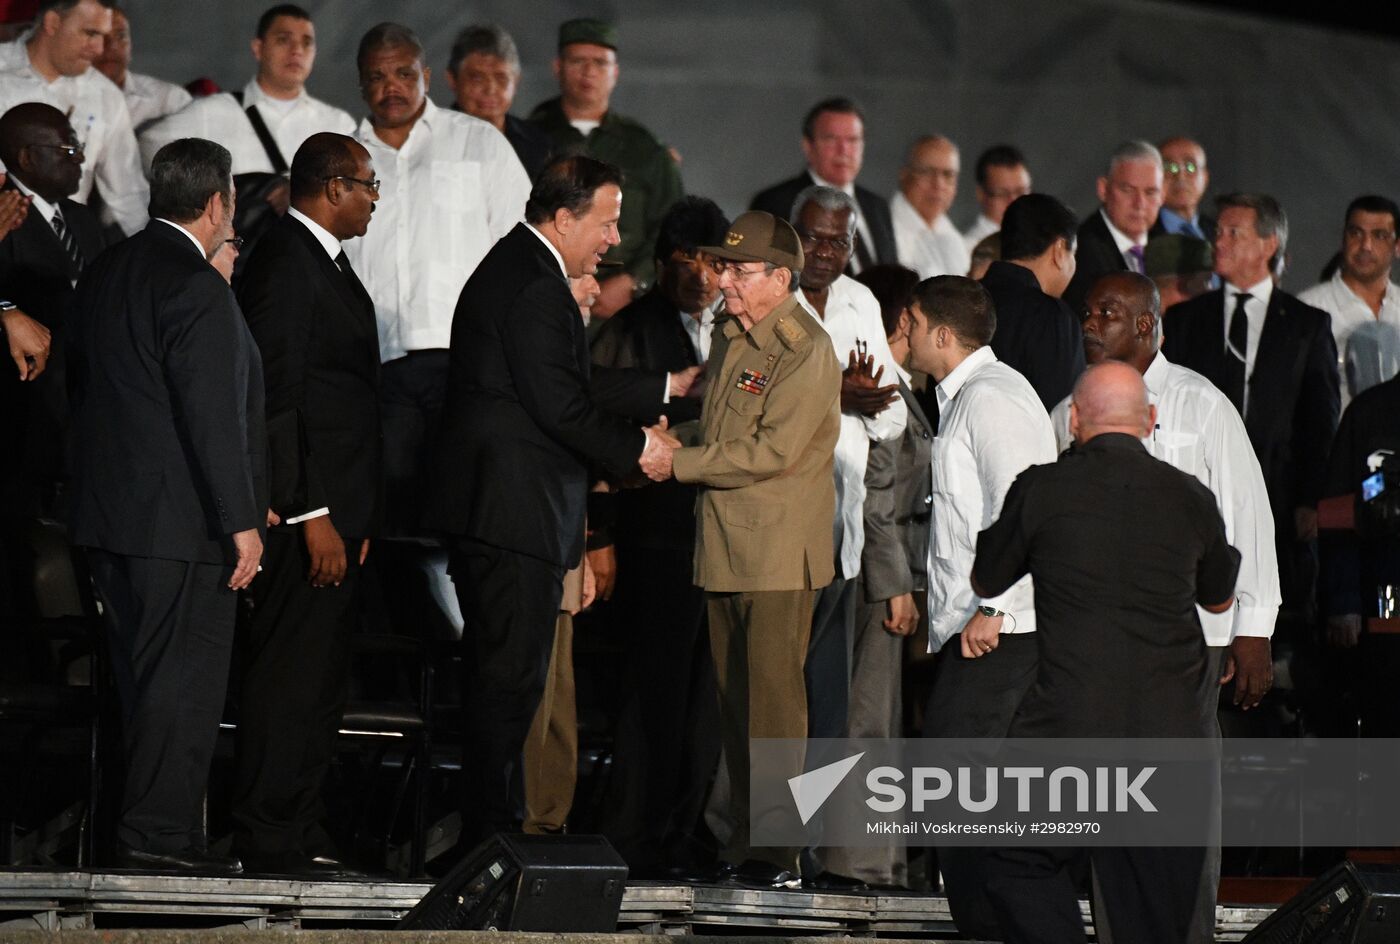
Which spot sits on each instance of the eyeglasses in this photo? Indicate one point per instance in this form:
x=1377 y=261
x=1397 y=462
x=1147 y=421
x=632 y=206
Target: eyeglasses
x=373 y=185
x=70 y=150
x=235 y=241
x=736 y=270
x=837 y=245
x=1177 y=168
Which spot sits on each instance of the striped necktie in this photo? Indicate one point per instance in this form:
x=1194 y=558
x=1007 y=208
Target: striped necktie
x=69 y=240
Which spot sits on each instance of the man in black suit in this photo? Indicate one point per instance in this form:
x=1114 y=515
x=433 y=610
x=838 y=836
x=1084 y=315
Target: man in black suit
x=1114 y=237
x=168 y=490
x=39 y=264
x=1037 y=334
x=667 y=743
x=314 y=325
x=519 y=430
x=1274 y=357
x=833 y=141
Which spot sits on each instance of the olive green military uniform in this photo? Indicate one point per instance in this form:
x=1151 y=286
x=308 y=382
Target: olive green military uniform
x=764 y=538
x=651 y=180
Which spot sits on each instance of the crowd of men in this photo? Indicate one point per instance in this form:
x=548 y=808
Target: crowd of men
x=261 y=348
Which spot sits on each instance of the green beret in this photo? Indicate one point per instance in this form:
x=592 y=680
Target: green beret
x=588 y=30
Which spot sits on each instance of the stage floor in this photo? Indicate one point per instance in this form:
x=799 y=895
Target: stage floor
x=34 y=899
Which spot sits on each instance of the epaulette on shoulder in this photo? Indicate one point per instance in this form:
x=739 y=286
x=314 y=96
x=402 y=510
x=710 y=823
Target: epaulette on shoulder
x=790 y=332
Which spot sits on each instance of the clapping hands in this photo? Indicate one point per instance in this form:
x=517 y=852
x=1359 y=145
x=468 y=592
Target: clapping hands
x=860 y=386
x=656 y=458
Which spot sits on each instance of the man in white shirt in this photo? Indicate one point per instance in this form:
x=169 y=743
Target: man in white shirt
x=1114 y=237
x=991 y=427
x=825 y=221
x=53 y=64
x=1002 y=177
x=147 y=97
x=452 y=186
x=285 y=50
x=1362 y=300
x=926 y=239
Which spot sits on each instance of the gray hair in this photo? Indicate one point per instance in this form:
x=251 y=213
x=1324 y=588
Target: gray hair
x=1269 y=220
x=827 y=198
x=488 y=39
x=927 y=139
x=1132 y=152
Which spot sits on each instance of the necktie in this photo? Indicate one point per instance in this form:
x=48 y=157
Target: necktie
x=342 y=262
x=70 y=241
x=1136 y=260
x=1236 y=353
x=861 y=258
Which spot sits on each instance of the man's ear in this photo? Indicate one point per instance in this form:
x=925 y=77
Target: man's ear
x=1102 y=189
x=563 y=220
x=1073 y=421
x=256 y=47
x=427 y=77
x=52 y=21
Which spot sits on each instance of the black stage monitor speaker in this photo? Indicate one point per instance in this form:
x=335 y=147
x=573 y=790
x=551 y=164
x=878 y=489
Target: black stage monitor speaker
x=1347 y=905
x=514 y=882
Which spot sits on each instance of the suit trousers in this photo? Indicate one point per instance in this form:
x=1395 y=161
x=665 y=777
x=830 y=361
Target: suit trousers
x=170 y=635
x=976 y=698
x=667 y=744
x=551 y=747
x=1146 y=895
x=759 y=642
x=295 y=654
x=510 y=605
x=411 y=394
x=875 y=712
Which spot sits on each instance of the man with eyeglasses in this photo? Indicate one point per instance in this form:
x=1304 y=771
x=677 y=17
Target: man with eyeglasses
x=40 y=262
x=926 y=239
x=763 y=453
x=314 y=326
x=452 y=186
x=1114 y=237
x=1185 y=179
x=824 y=219
x=52 y=63
x=1361 y=298
x=1001 y=176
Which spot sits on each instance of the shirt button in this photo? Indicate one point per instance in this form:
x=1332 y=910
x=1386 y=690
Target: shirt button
x=928 y=499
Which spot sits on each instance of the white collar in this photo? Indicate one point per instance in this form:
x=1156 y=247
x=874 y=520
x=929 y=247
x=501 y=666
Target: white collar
x=328 y=242
x=1123 y=241
x=550 y=246
x=955 y=381
x=38 y=203
x=253 y=93
x=1388 y=298
x=849 y=189
x=900 y=205
x=197 y=244
x=1156 y=376
x=1262 y=291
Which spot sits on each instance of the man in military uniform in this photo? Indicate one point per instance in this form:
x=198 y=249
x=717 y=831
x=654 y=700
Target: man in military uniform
x=763 y=449
x=579 y=120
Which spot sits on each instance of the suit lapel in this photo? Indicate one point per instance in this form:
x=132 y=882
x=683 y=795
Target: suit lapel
x=915 y=410
x=356 y=300
x=1273 y=360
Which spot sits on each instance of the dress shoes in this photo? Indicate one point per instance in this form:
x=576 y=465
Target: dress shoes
x=299 y=865
x=831 y=882
x=190 y=860
x=755 y=873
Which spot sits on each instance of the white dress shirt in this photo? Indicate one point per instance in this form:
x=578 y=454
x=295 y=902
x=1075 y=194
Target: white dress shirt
x=97 y=111
x=1255 y=309
x=991 y=427
x=1199 y=432
x=979 y=231
x=221 y=119
x=447 y=195
x=149 y=98
x=1377 y=334
x=699 y=331
x=928 y=250
x=852 y=314
x=1124 y=242
x=862 y=228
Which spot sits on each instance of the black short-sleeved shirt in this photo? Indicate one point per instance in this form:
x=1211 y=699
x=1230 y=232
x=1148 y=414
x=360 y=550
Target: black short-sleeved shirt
x=1121 y=547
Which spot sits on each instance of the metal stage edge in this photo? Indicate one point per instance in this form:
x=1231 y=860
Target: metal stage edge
x=48 y=900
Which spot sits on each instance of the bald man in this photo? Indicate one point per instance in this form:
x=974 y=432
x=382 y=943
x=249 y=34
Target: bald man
x=924 y=237
x=1121 y=547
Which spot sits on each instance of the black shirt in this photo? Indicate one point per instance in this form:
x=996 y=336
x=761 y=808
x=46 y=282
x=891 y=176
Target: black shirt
x=1036 y=335
x=1121 y=547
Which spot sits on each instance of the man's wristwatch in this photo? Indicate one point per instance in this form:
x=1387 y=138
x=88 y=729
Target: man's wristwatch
x=990 y=611
x=6 y=305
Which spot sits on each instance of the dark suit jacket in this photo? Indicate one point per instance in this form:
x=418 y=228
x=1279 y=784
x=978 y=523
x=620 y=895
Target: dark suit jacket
x=169 y=455
x=519 y=427
x=316 y=332
x=647 y=334
x=898 y=499
x=1293 y=392
x=35 y=271
x=1036 y=333
x=532 y=145
x=779 y=198
x=1096 y=255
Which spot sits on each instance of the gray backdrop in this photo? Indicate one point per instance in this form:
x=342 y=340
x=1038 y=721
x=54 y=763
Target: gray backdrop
x=1303 y=113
